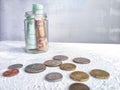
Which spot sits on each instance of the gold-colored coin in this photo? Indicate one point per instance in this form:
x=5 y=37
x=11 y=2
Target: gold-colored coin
x=68 y=66
x=79 y=76
x=78 y=86
x=100 y=74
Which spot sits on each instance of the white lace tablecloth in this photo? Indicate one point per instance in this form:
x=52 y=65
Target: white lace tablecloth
x=102 y=56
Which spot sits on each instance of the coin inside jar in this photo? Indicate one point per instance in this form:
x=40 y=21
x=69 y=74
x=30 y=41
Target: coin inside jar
x=60 y=57
x=54 y=77
x=79 y=76
x=100 y=74
x=10 y=72
x=68 y=66
x=52 y=63
x=35 y=68
x=78 y=86
x=81 y=60
x=15 y=66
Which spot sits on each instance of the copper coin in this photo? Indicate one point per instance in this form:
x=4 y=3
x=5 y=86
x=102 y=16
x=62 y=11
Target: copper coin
x=68 y=66
x=52 y=63
x=81 y=60
x=35 y=68
x=100 y=74
x=79 y=76
x=78 y=86
x=10 y=72
x=60 y=57
x=54 y=77
x=15 y=66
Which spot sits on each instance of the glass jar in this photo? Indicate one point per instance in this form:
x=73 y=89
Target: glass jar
x=36 y=32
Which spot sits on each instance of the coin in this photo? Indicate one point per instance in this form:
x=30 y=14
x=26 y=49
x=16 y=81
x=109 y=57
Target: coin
x=78 y=86
x=10 y=72
x=79 y=76
x=60 y=57
x=54 y=77
x=15 y=66
x=52 y=63
x=100 y=74
x=68 y=66
x=35 y=68
x=81 y=60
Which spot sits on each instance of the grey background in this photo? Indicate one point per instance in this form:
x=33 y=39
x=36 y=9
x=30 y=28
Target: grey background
x=86 y=21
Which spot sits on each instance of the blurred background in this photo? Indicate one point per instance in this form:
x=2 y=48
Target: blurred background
x=80 y=21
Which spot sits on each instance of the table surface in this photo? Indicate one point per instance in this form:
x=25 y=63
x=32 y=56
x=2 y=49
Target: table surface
x=102 y=56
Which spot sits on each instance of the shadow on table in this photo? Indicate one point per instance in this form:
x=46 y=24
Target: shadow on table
x=12 y=49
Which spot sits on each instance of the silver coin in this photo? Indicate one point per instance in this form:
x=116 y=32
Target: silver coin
x=35 y=68
x=15 y=66
x=52 y=63
x=54 y=77
x=60 y=57
x=81 y=60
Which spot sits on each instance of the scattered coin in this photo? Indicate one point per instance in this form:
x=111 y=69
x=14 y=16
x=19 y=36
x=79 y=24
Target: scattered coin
x=78 y=86
x=15 y=66
x=68 y=66
x=35 y=68
x=52 y=63
x=100 y=74
x=10 y=72
x=60 y=57
x=79 y=76
x=81 y=60
x=54 y=77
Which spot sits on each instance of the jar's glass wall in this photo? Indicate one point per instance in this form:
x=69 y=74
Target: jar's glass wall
x=36 y=33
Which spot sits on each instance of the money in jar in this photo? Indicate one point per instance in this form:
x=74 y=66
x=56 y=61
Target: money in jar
x=41 y=27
